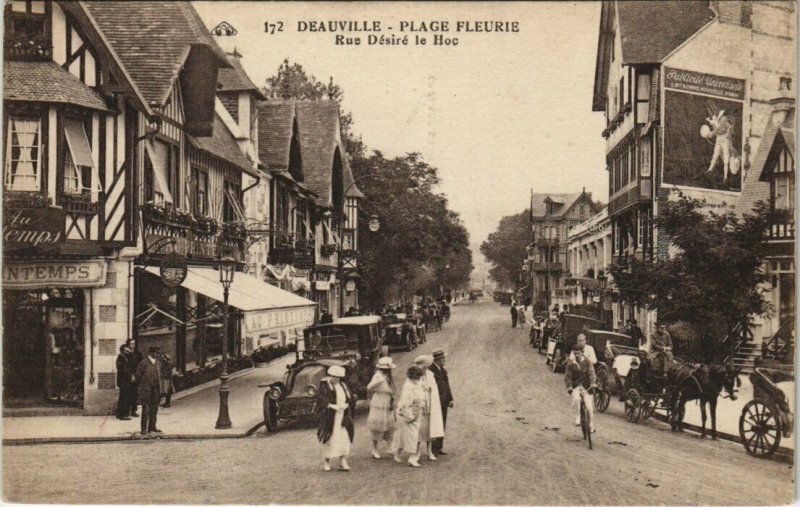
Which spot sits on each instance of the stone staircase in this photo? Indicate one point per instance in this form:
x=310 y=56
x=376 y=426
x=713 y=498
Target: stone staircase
x=745 y=356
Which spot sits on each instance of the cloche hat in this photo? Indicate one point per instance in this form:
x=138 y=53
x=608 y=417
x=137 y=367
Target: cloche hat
x=336 y=371
x=424 y=360
x=385 y=363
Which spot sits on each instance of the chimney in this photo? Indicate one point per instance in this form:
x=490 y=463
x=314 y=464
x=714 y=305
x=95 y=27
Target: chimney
x=783 y=101
x=733 y=12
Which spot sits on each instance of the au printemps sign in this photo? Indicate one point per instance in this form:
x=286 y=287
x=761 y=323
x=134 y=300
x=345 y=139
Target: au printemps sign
x=41 y=228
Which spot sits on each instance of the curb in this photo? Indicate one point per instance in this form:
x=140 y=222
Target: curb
x=131 y=438
x=208 y=385
x=782 y=451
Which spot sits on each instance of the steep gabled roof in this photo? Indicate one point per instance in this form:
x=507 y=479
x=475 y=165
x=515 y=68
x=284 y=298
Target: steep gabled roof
x=754 y=189
x=153 y=40
x=47 y=82
x=649 y=31
x=223 y=145
x=567 y=201
x=275 y=125
x=236 y=79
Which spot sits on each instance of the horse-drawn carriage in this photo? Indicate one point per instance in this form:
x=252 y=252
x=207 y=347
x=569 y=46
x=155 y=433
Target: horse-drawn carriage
x=431 y=316
x=615 y=352
x=769 y=415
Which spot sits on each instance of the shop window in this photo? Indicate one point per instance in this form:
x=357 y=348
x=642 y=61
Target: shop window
x=80 y=172
x=23 y=155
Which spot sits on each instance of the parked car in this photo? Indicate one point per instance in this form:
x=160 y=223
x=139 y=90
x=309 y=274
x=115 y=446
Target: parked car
x=400 y=333
x=355 y=343
x=560 y=345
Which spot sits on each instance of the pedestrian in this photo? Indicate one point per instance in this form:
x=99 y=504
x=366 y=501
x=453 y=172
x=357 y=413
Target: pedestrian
x=167 y=387
x=135 y=358
x=521 y=316
x=381 y=418
x=410 y=405
x=148 y=375
x=336 y=429
x=325 y=318
x=431 y=424
x=125 y=381
x=513 y=315
x=445 y=395
x=635 y=332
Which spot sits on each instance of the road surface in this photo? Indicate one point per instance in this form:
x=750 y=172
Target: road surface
x=509 y=438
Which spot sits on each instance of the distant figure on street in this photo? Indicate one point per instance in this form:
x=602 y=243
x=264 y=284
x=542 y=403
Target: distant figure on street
x=380 y=421
x=125 y=383
x=588 y=350
x=513 y=315
x=325 y=318
x=410 y=405
x=148 y=374
x=336 y=429
x=661 y=350
x=351 y=312
x=167 y=387
x=134 y=359
x=521 y=315
x=445 y=395
x=635 y=332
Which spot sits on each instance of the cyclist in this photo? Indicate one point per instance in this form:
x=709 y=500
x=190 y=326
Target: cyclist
x=580 y=378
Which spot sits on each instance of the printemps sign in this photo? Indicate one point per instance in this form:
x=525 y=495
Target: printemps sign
x=40 y=228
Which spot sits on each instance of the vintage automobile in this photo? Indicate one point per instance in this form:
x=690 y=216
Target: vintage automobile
x=560 y=345
x=400 y=332
x=355 y=343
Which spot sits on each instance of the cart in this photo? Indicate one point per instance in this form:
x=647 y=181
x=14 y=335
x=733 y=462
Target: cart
x=768 y=416
x=615 y=353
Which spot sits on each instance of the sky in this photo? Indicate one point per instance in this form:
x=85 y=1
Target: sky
x=499 y=114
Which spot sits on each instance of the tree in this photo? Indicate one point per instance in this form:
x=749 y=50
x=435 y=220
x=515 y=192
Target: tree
x=714 y=282
x=505 y=248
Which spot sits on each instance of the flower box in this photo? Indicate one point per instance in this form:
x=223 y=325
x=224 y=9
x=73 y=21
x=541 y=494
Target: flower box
x=328 y=249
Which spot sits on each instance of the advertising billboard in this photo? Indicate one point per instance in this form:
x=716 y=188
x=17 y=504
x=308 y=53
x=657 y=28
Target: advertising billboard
x=703 y=130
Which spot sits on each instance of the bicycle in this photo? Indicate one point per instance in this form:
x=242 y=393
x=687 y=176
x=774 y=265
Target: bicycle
x=585 y=428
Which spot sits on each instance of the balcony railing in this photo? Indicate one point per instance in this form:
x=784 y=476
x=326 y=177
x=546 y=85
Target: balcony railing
x=28 y=47
x=547 y=242
x=547 y=266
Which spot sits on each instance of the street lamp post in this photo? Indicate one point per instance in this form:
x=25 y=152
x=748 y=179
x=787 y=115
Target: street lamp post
x=227 y=268
x=602 y=279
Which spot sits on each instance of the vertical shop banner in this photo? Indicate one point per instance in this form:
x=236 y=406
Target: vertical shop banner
x=703 y=130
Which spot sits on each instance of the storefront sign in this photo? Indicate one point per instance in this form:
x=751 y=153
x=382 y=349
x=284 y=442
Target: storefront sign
x=41 y=228
x=324 y=286
x=267 y=321
x=173 y=270
x=703 y=130
x=65 y=274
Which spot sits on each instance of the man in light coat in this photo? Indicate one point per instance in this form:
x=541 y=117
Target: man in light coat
x=435 y=421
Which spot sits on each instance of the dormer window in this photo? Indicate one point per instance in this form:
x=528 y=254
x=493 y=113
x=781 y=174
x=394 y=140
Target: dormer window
x=27 y=33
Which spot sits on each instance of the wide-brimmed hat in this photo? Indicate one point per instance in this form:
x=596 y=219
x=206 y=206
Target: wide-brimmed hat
x=439 y=354
x=385 y=363
x=336 y=371
x=424 y=360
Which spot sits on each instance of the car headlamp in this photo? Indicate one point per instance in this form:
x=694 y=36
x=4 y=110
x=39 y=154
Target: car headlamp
x=311 y=390
x=275 y=393
x=352 y=363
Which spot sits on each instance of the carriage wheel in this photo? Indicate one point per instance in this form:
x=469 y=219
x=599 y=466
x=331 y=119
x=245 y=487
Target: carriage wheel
x=633 y=402
x=601 y=395
x=648 y=407
x=760 y=428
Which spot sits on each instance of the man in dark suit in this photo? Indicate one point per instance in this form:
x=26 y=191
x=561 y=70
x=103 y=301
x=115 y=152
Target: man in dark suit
x=445 y=395
x=148 y=374
x=125 y=383
x=134 y=358
x=325 y=318
x=513 y=313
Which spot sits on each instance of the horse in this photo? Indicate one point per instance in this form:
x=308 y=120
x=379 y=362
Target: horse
x=703 y=383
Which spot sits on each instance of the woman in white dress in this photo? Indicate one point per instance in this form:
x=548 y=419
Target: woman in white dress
x=432 y=422
x=381 y=421
x=336 y=429
x=409 y=411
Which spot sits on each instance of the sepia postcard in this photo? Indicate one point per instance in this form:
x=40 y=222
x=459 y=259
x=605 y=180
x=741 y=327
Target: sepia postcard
x=399 y=253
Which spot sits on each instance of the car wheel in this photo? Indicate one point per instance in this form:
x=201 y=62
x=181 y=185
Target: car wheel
x=270 y=413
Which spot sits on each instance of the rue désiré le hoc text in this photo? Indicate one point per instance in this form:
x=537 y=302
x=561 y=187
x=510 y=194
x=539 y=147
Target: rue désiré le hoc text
x=400 y=33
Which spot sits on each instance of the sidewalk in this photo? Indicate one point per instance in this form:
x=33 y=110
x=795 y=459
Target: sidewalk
x=728 y=413
x=192 y=415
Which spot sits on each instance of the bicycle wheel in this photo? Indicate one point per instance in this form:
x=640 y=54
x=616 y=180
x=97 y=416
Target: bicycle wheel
x=587 y=433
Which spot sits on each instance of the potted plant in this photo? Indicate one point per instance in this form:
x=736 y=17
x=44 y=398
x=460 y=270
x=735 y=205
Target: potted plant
x=234 y=231
x=327 y=249
x=205 y=225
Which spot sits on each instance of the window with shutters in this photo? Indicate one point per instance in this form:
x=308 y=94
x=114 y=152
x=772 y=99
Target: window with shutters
x=23 y=154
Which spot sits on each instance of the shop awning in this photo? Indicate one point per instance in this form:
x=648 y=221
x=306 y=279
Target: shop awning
x=267 y=308
x=246 y=293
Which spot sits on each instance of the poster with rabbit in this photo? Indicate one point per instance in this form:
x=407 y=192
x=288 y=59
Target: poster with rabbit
x=703 y=130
